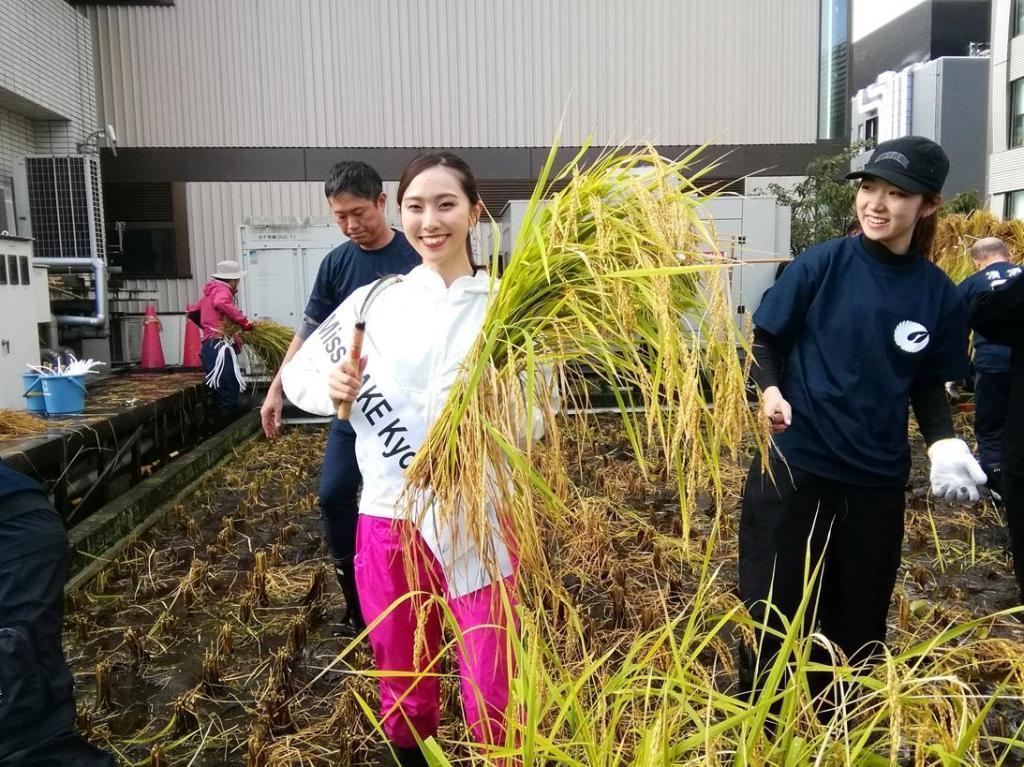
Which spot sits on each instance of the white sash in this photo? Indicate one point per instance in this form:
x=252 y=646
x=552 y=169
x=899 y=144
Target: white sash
x=225 y=356
x=388 y=423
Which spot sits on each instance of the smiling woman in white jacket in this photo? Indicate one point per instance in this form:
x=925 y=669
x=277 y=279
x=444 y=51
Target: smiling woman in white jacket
x=418 y=330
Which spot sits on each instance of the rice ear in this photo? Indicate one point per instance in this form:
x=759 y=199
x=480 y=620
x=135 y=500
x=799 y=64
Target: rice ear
x=617 y=272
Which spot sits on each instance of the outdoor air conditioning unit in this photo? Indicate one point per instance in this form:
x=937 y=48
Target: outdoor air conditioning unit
x=65 y=206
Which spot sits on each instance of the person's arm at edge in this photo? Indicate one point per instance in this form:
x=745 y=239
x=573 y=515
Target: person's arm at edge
x=765 y=372
x=997 y=314
x=931 y=408
x=273 y=403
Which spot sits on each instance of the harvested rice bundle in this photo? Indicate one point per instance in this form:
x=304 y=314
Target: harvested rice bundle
x=267 y=342
x=17 y=423
x=956 y=233
x=616 y=272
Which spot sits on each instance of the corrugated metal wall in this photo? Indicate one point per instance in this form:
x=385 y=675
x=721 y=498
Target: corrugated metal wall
x=216 y=211
x=1006 y=171
x=393 y=73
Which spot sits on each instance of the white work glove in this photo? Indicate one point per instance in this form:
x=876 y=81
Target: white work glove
x=955 y=475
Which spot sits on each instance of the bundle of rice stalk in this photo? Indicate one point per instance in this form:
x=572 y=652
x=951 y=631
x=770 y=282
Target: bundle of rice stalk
x=17 y=423
x=267 y=342
x=956 y=233
x=618 y=273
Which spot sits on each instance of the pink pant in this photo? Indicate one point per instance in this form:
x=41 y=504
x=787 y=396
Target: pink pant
x=409 y=702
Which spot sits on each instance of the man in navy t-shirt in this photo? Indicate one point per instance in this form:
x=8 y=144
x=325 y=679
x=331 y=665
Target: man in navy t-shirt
x=37 y=705
x=998 y=314
x=991 y=361
x=356 y=196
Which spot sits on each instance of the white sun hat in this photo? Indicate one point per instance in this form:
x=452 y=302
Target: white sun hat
x=228 y=270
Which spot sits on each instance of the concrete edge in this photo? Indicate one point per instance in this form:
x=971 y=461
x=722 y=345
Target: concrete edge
x=95 y=541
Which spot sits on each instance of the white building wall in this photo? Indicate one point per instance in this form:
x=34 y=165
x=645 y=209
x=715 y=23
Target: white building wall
x=888 y=99
x=17 y=139
x=500 y=73
x=47 y=92
x=46 y=67
x=1005 y=165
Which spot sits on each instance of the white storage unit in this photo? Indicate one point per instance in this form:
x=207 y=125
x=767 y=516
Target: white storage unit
x=280 y=262
x=280 y=257
x=23 y=308
x=754 y=230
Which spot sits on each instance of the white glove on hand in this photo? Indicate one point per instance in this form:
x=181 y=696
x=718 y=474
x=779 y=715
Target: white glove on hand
x=955 y=475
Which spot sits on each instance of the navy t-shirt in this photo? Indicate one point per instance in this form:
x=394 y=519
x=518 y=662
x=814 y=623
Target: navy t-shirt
x=349 y=267
x=858 y=330
x=12 y=481
x=989 y=357
x=20 y=535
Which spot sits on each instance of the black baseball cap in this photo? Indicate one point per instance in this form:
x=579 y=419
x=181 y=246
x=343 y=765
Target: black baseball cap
x=913 y=163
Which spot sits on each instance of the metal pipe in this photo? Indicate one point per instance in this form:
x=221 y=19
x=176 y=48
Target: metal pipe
x=99 y=270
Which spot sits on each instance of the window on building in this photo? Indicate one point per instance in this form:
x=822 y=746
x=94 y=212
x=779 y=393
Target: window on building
x=871 y=130
x=1017 y=113
x=147 y=229
x=1015 y=204
x=833 y=68
x=1018 y=17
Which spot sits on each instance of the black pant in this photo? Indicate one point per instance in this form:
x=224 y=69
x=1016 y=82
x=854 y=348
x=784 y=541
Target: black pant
x=37 y=707
x=340 y=481
x=1013 y=501
x=991 y=404
x=859 y=532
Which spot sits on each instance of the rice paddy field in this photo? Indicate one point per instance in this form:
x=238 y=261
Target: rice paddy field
x=210 y=640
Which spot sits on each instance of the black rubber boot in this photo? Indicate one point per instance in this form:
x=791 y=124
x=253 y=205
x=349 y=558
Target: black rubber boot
x=345 y=572
x=746 y=662
x=409 y=757
x=995 y=485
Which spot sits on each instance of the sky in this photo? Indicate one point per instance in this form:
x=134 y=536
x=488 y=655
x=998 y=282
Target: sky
x=869 y=15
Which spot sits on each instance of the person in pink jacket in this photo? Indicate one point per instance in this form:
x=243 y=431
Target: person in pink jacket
x=218 y=353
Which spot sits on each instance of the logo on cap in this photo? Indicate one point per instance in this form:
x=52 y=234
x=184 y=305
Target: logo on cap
x=896 y=157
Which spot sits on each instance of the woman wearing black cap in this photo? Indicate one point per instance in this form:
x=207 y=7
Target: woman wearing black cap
x=853 y=331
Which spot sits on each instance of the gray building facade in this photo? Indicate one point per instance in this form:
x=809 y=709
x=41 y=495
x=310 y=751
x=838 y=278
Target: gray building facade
x=945 y=100
x=47 y=91
x=928 y=31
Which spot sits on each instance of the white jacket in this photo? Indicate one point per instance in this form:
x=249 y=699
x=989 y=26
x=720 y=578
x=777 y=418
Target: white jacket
x=418 y=331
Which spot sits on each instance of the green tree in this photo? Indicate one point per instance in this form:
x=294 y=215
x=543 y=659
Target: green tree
x=821 y=204
x=965 y=203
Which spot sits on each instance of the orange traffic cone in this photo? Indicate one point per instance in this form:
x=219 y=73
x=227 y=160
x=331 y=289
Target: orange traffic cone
x=152 y=351
x=190 y=356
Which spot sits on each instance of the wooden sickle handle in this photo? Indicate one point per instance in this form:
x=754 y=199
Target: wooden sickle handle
x=355 y=352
